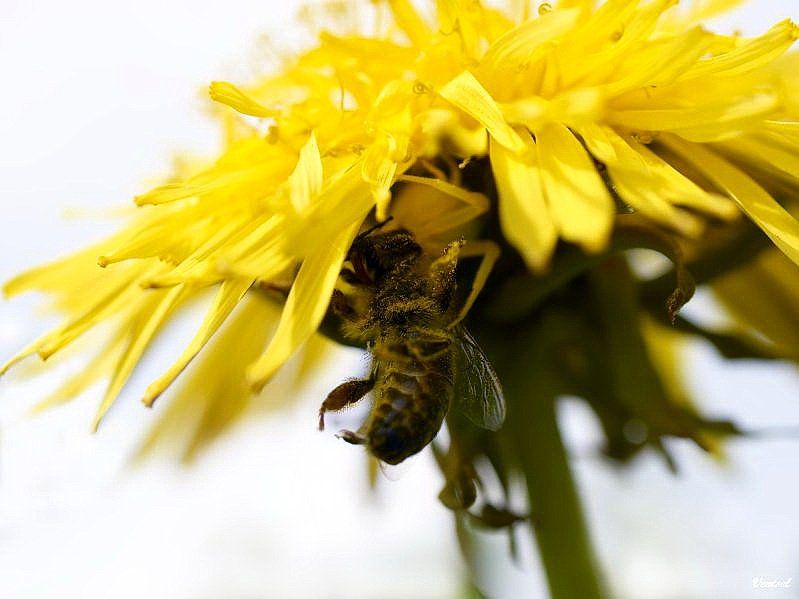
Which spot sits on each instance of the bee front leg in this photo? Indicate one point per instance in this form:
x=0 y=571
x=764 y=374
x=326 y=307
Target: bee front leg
x=351 y=437
x=344 y=395
x=488 y=252
x=340 y=306
x=442 y=274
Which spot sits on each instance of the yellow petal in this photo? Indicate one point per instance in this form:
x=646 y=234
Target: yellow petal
x=522 y=44
x=472 y=205
x=444 y=131
x=305 y=182
x=98 y=367
x=749 y=55
x=214 y=393
x=231 y=243
x=410 y=22
x=51 y=276
x=582 y=5
x=722 y=117
x=531 y=111
x=643 y=194
x=523 y=211
x=150 y=318
x=196 y=264
x=379 y=169
x=639 y=179
x=760 y=296
x=661 y=64
x=781 y=157
x=790 y=128
x=230 y=294
x=467 y=19
x=600 y=142
x=642 y=189
x=205 y=184
x=456 y=191
x=680 y=190
x=585 y=56
x=578 y=106
x=466 y=92
x=111 y=299
x=229 y=94
x=767 y=214
x=305 y=307
x=577 y=197
x=345 y=200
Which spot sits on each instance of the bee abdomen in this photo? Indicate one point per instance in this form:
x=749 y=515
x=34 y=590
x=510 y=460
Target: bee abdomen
x=407 y=414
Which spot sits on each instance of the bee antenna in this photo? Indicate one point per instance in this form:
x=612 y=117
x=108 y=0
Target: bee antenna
x=375 y=227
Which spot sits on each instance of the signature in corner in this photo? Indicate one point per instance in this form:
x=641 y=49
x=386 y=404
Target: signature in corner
x=761 y=582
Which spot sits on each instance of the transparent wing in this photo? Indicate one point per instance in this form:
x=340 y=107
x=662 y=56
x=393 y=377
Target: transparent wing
x=478 y=393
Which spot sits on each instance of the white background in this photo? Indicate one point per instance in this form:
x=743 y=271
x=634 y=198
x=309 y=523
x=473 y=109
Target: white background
x=95 y=97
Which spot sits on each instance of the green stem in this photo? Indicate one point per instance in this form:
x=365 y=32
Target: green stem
x=526 y=363
x=559 y=525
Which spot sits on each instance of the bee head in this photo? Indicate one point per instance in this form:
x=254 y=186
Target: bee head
x=382 y=252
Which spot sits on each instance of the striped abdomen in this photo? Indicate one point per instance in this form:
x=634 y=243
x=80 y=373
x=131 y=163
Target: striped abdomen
x=411 y=400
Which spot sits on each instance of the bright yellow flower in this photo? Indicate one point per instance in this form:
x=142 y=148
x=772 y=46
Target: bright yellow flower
x=582 y=111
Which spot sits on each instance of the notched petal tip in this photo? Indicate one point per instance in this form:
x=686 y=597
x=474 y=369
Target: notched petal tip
x=792 y=28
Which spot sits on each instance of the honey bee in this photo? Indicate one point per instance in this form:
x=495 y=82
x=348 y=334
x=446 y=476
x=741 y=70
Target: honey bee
x=422 y=360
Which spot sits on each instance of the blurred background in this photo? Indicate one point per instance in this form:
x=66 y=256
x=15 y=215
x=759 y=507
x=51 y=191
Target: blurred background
x=97 y=98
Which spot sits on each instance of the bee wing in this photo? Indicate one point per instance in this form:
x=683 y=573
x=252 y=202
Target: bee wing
x=477 y=390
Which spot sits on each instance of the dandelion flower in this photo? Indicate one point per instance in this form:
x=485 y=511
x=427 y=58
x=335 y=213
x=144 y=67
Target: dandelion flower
x=561 y=137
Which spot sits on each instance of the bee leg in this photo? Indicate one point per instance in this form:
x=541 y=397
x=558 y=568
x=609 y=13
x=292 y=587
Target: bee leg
x=491 y=516
x=442 y=274
x=489 y=254
x=474 y=204
x=344 y=395
x=340 y=306
x=351 y=437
